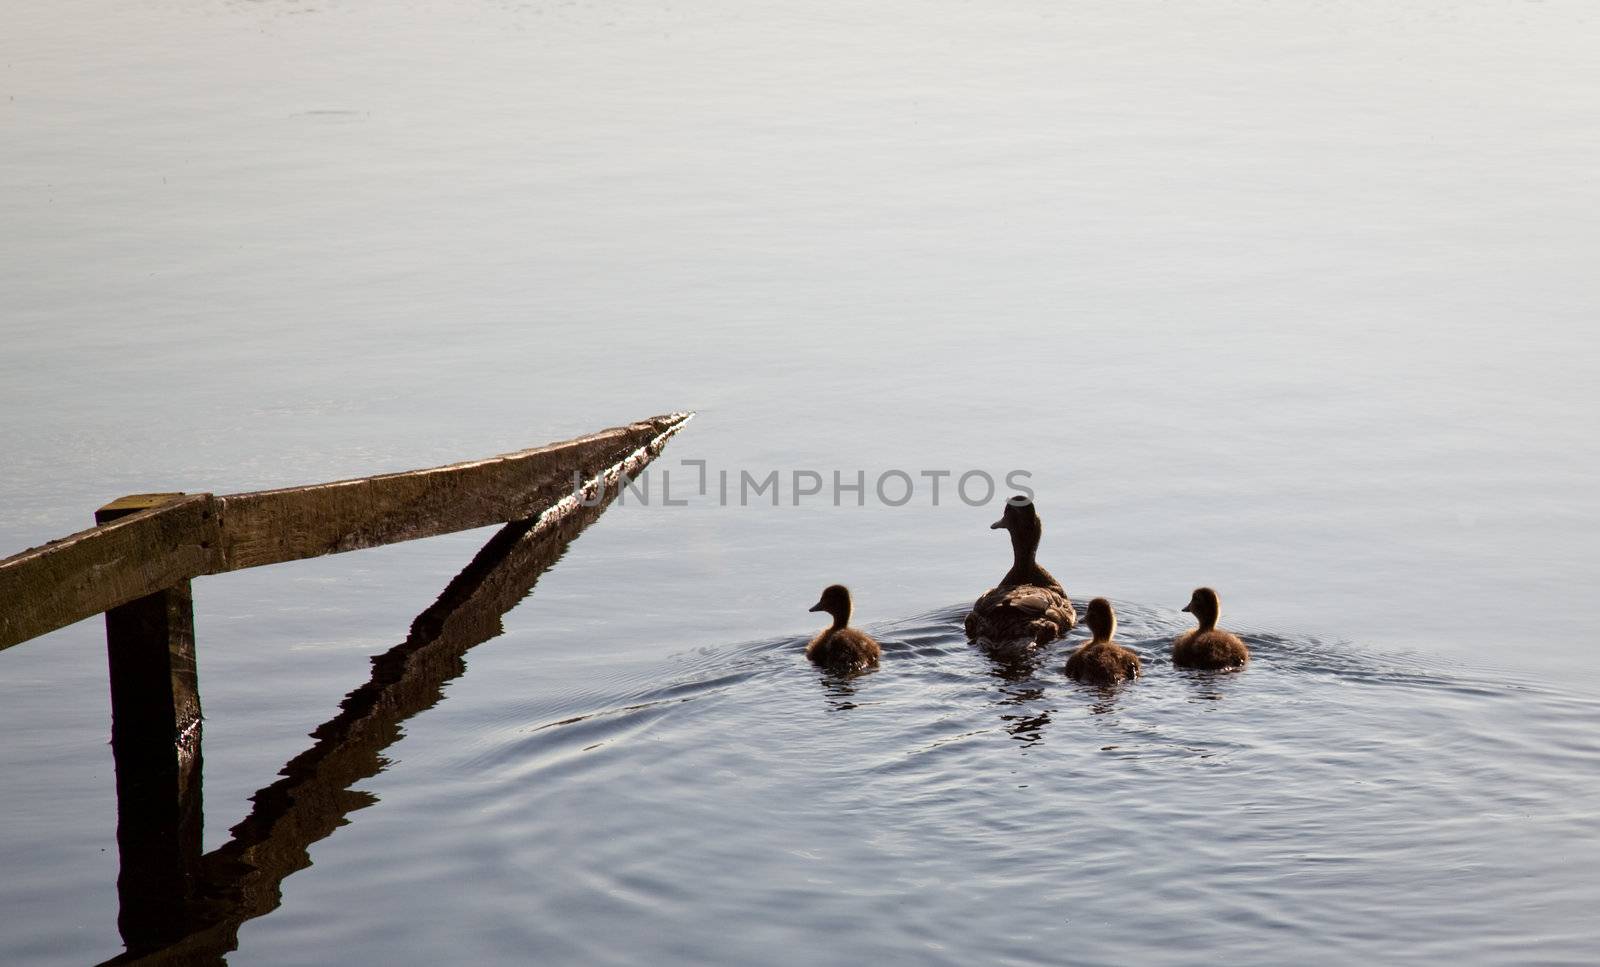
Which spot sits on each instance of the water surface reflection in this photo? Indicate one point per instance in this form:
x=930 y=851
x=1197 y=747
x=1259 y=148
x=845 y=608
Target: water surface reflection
x=198 y=922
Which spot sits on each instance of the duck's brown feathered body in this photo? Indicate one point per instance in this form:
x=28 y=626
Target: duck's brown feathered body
x=1023 y=614
x=1209 y=649
x=1208 y=646
x=1103 y=664
x=1102 y=661
x=1028 y=607
x=843 y=650
x=839 y=647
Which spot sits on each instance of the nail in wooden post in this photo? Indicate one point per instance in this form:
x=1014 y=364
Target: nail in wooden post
x=155 y=742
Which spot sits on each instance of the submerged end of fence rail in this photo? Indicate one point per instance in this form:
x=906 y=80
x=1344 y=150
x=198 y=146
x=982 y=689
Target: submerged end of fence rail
x=166 y=539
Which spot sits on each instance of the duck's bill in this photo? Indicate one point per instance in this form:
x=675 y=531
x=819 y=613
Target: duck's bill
x=1189 y=608
x=818 y=607
x=997 y=525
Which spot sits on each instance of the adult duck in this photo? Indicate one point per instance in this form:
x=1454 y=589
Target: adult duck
x=1207 y=646
x=1028 y=607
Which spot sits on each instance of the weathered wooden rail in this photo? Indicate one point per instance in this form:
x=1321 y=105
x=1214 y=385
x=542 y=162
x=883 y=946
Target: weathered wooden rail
x=177 y=906
x=147 y=543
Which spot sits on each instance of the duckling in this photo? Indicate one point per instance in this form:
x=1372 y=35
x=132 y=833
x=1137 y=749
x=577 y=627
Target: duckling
x=1029 y=607
x=840 y=648
x=1207 y=646
x=1102 y=661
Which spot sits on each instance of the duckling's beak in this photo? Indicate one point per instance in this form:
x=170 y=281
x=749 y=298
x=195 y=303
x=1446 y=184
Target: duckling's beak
x=998 y=525
x=818 y=607
x=1189 y=607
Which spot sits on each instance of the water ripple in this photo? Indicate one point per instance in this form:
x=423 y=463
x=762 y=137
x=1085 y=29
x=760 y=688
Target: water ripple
x=1325 y=799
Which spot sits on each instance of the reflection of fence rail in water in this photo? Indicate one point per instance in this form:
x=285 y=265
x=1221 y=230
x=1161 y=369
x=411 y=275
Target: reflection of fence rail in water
x=178 y=906
x=240 y=880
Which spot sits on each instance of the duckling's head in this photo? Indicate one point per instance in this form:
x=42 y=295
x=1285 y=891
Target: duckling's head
x=1203 y=604
x=835 y=600
x=1019 y=517
x=1101 y=619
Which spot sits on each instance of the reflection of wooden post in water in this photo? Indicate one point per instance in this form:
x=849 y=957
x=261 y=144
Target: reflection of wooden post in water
x=242 y=879
x=155 y=743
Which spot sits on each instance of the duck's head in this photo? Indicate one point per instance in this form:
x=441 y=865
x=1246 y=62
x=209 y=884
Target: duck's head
x=835 y=600
x=1101 y=619
x=1019 y=517
x=1203 y=604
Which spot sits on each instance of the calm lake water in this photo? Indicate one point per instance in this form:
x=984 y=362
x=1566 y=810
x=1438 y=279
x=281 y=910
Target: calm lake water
x=1296 y=300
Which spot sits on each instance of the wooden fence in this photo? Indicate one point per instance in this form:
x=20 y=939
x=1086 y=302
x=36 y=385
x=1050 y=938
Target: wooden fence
x=177 y=905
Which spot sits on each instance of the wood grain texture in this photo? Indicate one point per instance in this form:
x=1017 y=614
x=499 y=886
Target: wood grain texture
x=286 y=525
x=79 y=576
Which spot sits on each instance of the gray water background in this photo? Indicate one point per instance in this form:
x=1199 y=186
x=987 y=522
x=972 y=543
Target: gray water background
x=1296 y=300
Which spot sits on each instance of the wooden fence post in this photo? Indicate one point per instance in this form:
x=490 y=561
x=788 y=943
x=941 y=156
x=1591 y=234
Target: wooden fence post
x=155 y=743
